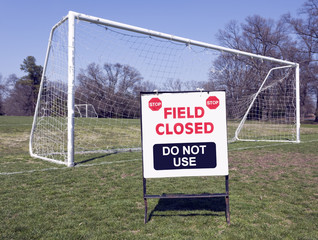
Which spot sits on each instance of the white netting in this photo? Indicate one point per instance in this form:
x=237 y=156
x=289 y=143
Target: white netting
x=270 y=113
x=112 y=66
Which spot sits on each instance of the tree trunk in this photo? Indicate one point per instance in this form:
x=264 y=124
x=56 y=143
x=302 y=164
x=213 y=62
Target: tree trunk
x=316 y=113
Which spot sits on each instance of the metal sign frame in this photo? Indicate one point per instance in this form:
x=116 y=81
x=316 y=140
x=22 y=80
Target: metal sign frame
x=226 y=195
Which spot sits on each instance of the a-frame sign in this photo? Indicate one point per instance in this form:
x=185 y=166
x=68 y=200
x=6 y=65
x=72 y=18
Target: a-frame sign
x=184 y=135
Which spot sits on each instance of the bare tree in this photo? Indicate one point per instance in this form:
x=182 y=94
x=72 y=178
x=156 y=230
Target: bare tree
x=2 y=95
x=19 y=97
x=173 y=85
x=241 y=76
x=306 y=29
x=21 y=93
x=111 y=89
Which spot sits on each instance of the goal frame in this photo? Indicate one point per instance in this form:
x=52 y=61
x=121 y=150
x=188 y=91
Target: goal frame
x=241 y=124
x=72 y=16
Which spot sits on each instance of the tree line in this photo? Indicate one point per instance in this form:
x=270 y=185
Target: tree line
x=294 y=38
x=18 y=96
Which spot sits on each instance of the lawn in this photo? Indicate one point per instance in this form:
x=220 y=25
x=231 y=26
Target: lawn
x=273 y=194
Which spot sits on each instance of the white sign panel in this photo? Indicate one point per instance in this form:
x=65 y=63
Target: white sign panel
x=184 y=134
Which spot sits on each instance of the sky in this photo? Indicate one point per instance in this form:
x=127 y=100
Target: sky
x=25 y=25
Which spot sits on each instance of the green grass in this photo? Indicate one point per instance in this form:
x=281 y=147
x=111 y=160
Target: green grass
x=273 y=194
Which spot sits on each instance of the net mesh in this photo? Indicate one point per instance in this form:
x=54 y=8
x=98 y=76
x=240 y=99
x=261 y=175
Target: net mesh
x=112 y=66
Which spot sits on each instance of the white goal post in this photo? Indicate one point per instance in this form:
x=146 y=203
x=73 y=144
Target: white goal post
x=103 y=65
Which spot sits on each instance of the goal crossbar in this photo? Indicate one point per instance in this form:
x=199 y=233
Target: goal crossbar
x=123 y=26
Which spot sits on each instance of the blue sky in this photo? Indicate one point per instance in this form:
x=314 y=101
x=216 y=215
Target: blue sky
x=25 y=25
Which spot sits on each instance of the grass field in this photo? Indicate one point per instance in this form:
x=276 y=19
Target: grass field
x=273 y=194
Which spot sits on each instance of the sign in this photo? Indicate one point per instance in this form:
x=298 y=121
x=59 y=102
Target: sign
x=212 y=102
x=184 y=134
x=155 y=104
x=184 y=156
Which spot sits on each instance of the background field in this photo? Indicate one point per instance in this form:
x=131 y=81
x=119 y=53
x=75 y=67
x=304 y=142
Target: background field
x=273 y=194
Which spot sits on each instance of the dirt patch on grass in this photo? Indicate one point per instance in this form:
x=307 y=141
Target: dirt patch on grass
x=11 y=144
x=272 y=165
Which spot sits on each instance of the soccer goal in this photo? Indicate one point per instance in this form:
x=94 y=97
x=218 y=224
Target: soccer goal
x=85 y=110
x=94 y=70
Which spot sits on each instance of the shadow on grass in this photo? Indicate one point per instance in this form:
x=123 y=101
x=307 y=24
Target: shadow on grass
x=214 y=205
x=94 y=158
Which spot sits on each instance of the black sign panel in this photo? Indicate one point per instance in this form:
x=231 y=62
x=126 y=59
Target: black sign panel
x=184 y=156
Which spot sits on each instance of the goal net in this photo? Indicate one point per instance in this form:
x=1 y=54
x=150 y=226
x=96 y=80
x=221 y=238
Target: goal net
x=95 y=69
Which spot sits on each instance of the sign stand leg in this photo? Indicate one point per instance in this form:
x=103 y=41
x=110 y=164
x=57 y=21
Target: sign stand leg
x=227 y=200
x=145 y=201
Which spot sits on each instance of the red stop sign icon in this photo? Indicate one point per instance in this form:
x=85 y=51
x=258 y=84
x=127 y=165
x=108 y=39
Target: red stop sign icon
x=155 y=104
x=212 y=102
